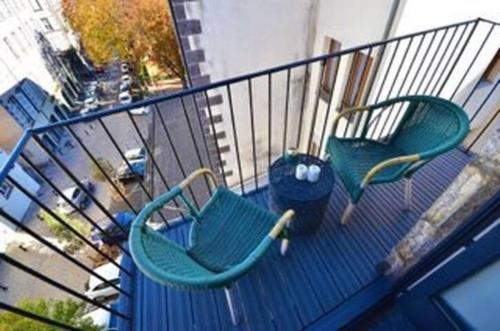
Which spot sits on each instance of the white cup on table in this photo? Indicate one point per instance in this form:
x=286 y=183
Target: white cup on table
x=301 y=172
x=313 y=173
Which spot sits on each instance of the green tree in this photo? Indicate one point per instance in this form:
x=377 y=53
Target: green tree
x=66 y=311
x=62 y=233
x=137 y=31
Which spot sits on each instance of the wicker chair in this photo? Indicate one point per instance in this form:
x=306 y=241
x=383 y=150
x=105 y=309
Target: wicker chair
x=420 y=128
x=228 y=237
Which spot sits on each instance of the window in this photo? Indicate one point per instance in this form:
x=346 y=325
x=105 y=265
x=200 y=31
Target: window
x=18 y=42
x=35 y=4
x=492 y=72
x=46 y=24
x=6 y=189
x=470 y=302
x=10 y=47
x=356 y=81
x=330 y=70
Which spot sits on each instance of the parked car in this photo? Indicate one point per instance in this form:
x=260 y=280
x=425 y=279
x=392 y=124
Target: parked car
x=76 y=196
x=126 y=79
x=135 y=154
x=90 y=103
x=125 y=98
x=136 y=157
x=136 y=171
x=100 y=291
x=114 y=235
x=124 y=68
x=124 y=87
x=139 y=111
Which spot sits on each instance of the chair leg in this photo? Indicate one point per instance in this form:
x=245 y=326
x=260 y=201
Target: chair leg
x=285 y=242
x=347 y=213
x=408 y=189
x=230 y=304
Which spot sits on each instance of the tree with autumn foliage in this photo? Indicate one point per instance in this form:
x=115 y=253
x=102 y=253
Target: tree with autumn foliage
x=140 y=32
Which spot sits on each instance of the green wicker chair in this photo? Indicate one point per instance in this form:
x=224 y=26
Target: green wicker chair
x=228 y=236
x=420 y=128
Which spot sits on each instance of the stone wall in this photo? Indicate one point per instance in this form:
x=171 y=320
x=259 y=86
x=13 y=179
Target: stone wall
x=473 y=187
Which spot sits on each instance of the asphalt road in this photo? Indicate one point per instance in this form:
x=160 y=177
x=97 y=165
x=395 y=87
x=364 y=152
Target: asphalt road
x=165 y=170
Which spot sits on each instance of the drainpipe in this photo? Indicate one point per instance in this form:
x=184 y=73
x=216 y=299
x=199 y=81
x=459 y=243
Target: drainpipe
x=187 y=76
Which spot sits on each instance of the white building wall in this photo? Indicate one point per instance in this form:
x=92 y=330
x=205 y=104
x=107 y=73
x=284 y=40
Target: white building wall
x=17 y=203
x=418 y=15
x=20 y=57
x=240 y=37
x=352 y=23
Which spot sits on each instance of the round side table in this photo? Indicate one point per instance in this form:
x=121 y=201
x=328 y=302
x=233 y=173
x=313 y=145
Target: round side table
x=308 y=200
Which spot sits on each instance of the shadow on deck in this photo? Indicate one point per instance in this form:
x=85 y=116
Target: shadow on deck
x=312 y=284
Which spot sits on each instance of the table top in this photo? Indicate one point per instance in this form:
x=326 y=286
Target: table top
x=283 y=182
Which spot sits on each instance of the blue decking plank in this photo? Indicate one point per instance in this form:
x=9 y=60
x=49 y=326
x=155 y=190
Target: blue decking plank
x=256 y=313
x=344 y=277
x=203 y=304
x=349 y=246
x=320 y=273
x=337 y=318
x=275 y=291
x=362 y=226
x=386 y=218
x=315 y=268
x=321 y=278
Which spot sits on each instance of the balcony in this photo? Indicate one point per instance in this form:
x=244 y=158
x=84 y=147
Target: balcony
x=327 y=278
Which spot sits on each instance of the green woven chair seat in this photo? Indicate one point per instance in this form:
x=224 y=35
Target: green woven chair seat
x=228 y=230
x=420 y=128
x=228 y=237
x=354 y=158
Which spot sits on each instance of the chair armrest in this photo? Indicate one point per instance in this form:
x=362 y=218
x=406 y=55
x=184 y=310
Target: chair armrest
x=197 y=173
x=346 y=112
x=386 y=164
x=280 y=225
x=156 y=205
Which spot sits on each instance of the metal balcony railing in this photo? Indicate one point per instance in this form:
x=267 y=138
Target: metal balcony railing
x=264 y=113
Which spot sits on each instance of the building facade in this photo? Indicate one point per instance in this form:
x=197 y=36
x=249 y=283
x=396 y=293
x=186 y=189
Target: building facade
x=13 y=201
x=34 y=40
x=227 y=39
x=27 y=105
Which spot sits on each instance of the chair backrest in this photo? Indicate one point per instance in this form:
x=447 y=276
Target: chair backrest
x=430 y=126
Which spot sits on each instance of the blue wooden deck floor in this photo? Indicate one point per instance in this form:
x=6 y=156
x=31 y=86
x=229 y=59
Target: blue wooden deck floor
x=319 y=274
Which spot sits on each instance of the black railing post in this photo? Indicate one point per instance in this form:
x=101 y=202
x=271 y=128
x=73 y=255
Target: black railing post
x=76 y=181
x=252 y=128
x=176 y=154
x=214 y=133
x=287 y=102
x=459 y=56
x=235 y=137
x=303 y=102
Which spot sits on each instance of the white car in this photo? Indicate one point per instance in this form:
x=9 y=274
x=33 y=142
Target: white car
x=124 y=68
x=76 y=196
x=137 y=159
x=90 y=103
x=136 y=154
x=100 y=291
x=124 y=98
x=126 y=79
x=139 y=111
x=124 y=87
